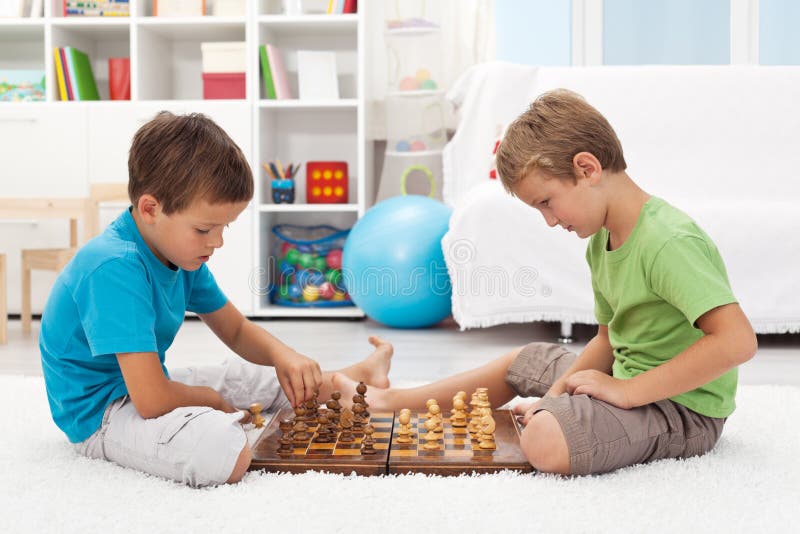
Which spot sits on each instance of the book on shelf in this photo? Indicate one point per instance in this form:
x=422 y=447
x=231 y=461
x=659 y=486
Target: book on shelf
x=74 y=74
x=17 y=85
x=340 y=7
x=96 y=8
x=278 y=71
x=119 y=78
x=179 y=8
x=266 y=73
x=316 y=75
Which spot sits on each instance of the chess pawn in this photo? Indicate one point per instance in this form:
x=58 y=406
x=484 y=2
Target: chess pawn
x=361 y=389
x=333 y=405
x=358 y=418
x=285 y=427
x=435 y=413
x=368 y=443
x=323 y=431
x=459 y=417
x=346 y=422
x=486 y=434
x=311 y=411
x=430 y=402
x=404 y=432
x=301 y=431
x=300 y=413
x=255 y=411
x=431 y=438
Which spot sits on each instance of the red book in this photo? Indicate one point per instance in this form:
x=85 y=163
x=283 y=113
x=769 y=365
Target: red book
x=350 y=6
x=119 y=78
x=67 y=74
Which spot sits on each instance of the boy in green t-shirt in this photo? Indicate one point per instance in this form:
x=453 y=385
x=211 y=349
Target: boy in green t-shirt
x=659 y=378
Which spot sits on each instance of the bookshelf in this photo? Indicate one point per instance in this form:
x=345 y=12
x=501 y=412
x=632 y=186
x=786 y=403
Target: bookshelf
x=166 y=67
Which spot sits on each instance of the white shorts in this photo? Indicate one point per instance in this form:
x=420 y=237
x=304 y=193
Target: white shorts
x=195 y=445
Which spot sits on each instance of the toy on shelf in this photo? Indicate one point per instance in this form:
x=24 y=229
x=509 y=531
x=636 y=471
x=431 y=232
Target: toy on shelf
x=282 y=181
x=326 y=182
x=309 y=266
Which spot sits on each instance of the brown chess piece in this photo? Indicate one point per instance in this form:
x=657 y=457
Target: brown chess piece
x=368 y=443
x=358 y=418
x=286 y=437
x=323 y=431
x=361 y=389
x=404 y=433
x=300 y=426
x=346 y=422
x=335 y=407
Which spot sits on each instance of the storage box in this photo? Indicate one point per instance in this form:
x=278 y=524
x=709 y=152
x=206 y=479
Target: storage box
x=224 y=56
x=229 y=8
x=219 y=85
x=179 y=8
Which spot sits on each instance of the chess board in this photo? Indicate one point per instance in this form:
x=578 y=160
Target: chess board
x=459 y=454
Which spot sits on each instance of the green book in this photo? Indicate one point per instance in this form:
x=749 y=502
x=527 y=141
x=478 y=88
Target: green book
x=269 y=85
x=81 y=74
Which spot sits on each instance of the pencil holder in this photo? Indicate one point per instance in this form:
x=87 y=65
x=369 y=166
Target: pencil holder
x=308 y=266
x=283 y=191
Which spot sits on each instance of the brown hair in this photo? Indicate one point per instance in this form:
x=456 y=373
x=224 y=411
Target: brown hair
x=181 y=158
x=558 y=125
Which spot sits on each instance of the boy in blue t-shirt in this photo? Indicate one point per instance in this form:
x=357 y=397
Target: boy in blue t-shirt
x=116 y=308
x=659 y=378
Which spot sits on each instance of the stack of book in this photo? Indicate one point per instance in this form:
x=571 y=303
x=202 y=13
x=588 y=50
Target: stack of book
x=74 y=74
x=339 y=7
x=96 y=8
x=273 y=72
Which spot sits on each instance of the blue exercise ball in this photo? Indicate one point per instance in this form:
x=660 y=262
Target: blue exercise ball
x=393 y=265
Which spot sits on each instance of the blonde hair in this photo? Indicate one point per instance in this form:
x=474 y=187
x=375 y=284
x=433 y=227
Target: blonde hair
x=558 y=125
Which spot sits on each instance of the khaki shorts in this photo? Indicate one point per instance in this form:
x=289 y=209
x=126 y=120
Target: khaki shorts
x=195 y=445
x=602 y=437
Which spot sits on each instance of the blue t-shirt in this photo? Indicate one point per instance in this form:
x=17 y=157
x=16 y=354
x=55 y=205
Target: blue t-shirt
x=115 y=296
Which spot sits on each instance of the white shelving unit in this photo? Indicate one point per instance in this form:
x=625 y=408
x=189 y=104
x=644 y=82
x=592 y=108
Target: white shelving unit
x=166 y=66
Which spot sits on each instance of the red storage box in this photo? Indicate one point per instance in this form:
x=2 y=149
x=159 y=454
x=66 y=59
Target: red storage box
x=218 y=85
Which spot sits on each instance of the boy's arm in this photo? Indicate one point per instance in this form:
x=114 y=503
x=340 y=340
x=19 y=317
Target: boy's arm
x=729 y=341
x=597 y=355
x=153 y=394
x=298 y=375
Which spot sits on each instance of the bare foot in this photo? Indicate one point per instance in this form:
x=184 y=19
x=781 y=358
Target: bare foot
x=374 y=369
x=376 y=397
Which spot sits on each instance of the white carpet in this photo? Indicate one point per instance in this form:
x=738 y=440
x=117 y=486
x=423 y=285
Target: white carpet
x=750 y=482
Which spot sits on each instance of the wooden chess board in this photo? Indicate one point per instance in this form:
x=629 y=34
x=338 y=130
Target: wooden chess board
x=460 y=453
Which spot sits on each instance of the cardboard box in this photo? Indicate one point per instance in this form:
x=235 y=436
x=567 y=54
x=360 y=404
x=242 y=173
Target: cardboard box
x=224 y=85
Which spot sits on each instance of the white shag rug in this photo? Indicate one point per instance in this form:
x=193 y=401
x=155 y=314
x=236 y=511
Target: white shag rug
x=749 y=483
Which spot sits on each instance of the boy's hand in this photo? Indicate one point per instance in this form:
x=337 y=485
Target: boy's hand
x=298 y=375
x=601 y=386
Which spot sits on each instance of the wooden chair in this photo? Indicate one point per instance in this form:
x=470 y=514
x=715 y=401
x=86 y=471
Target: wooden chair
x=50 y=259
x=100 y=193
x=3 y=302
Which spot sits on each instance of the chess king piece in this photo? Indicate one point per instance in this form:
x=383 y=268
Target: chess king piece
x=361 y=389
x=368 y=443
x=459 y=417
x=431 y=437
x=255 y=411
x=285 y=446
x=486 y=432
x=346 y=422
x=404 y=432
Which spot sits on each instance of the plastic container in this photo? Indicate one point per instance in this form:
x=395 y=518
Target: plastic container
x=414 y=58
x=308 y=266
x=415 y=122
x=224 y=56
x=224 y=85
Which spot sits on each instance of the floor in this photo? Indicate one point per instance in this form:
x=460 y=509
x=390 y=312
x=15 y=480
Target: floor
x=420 y=355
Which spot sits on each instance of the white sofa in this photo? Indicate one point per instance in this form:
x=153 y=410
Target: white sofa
x=721 y=143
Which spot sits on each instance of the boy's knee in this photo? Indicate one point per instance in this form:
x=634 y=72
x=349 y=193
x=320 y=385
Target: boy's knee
x=242 y=465
x=544 y=444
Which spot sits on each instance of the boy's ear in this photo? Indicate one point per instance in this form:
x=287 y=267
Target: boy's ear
x=586 y=166
x=148 y=208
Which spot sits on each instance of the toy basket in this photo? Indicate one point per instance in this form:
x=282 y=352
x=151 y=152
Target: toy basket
x=308 y=266
x=415 y=122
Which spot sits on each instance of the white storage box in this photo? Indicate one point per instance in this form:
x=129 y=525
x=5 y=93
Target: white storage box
x=229 y=8
x=224 y=57
x=179 y=8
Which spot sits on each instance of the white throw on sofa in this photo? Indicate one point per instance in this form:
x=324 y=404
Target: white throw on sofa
x=720 y=143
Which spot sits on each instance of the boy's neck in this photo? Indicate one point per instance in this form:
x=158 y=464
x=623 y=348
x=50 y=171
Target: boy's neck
x=625 y=203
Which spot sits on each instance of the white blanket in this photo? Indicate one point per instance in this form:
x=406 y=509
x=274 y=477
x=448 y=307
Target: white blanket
x=716 y=142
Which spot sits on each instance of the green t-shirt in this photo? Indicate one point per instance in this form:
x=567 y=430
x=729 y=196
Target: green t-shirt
x=652 y=289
